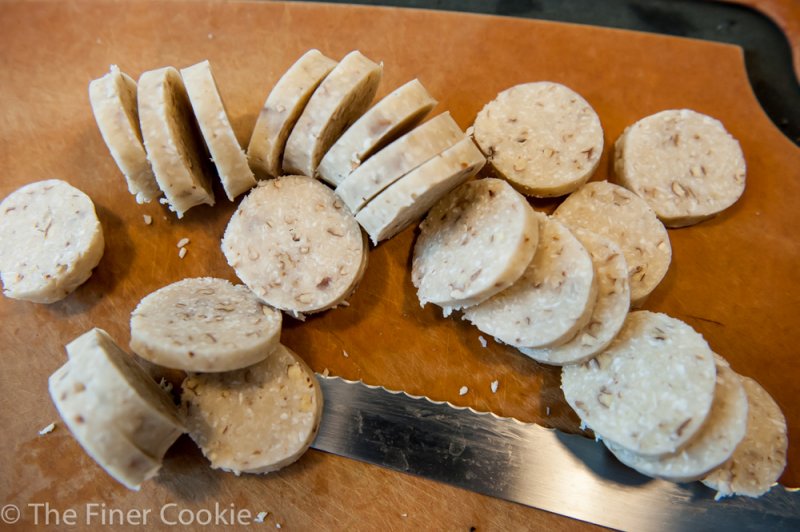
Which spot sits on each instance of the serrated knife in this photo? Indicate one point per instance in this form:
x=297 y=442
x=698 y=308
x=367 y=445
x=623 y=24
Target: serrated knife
x=528 y=464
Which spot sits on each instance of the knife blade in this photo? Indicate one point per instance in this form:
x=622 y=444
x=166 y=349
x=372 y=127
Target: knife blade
x=523 y=462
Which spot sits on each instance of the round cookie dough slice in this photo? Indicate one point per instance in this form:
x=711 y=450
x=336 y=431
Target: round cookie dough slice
x=395 y=114
x=760 y=458
x=543 y=137
x=684 y=164
x=282 y=109
x=617 y=213
x=552 y=300
x=410 y=197
x=610 y=308
x=416 y=147
x=651 y=390
x=295 y=245
x=714 y=443
x=204 y=324
x=254 y=420
x=173 y=142
x=474 y=243
x=227 y=154
x=50 y=241
x=340 y=99
x=113 y=100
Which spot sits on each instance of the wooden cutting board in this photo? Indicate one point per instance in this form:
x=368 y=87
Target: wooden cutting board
x=734 y=278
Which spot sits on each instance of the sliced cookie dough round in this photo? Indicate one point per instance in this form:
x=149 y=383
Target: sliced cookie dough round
x=410 y=151
x=617 y=213
x=257 y=419
x=224 y=147
x=173 y=142
x=204 y=324
x=684 y=164
x=651 y=390
x=340 y=99
x=281 y=110
x=295 y=245
x=552 y=300
x=50 y=241
x=474 y=243
x=543 y=137
x=395 y=114
x=711 y=446
x=113 y=101
x=760 y=458
x=410 y=197
x=609 y=311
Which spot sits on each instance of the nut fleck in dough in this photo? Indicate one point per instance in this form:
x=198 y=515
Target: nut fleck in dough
x=50 y=241
x=204 y=324
x=474 y=243
x=617 y=213
x=684 y=164
x=651 y=390
x=296 y=245
x=543 y=137
x=257 y=419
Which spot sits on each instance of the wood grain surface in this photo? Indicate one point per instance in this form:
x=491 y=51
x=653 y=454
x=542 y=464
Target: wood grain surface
x=734 y=278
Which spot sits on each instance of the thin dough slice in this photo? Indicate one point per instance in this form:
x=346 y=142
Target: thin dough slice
x=759 y=460
x=50 y=241
x=397 y=159
x=684 y=164
x=410 y=197
x=254 y=420
x=610 y=308
x=543 y=137
x=283 y=107
x=552 y=300
x=474 y=243
x=340 y=99
x=619 y=214
x=174 y=145
x=651 y=390
x=204 y=324
x=295 y=245
x=227 y=154
x=113 y=100
x=714 y=443
x=395 y=114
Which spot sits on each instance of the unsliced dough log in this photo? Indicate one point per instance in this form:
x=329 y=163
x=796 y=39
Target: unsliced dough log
x=50 y=241
x=254 y=420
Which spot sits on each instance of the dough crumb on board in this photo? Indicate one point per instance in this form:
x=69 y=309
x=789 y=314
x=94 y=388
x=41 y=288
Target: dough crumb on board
x=494 y=385
x=48 y=429
x=464 y=390
x=147 y=219
x=183 y=242
x=483 y=341
x=181 y=253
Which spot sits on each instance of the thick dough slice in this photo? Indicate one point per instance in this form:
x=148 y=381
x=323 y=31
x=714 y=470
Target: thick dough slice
x=395 y=114
x=122 y=394
x=340 y=99
x=474 y=243
x=50 y=241
x=651 y=390
x=173 y=142
x=282 y=109
x=610 y=308
x=714 y=443
x=552 y=300
x=410 y=197
x=759 y=460
x=619 y=214
x=254 y=420
x=543 y=137
x=295 y=245
x=684 y=164
x=209 y=109
x=397 y=159
x=113 y=100
x=204 y=324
